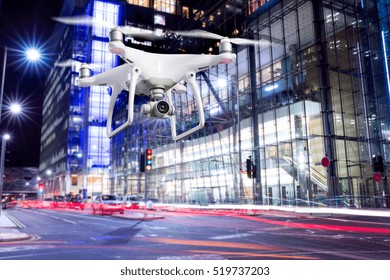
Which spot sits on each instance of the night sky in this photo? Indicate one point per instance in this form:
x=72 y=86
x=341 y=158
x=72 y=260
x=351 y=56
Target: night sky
x=24 y=24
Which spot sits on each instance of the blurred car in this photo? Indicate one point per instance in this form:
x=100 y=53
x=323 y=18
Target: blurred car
x=76 y=202
x=8 y=204
x=27 y=203
x=107 y=204
x=47 y=202
x=131 y=201
x=58 y=201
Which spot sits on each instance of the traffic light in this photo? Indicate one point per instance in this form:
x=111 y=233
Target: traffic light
x=148 y=160
x=142 y=163
x=249 y=167
x=40 y=188
x=377 y=161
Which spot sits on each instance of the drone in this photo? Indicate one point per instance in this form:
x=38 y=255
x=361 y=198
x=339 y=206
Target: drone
x=153 y=74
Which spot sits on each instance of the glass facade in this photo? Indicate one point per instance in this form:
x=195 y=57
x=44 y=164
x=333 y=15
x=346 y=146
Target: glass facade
x=318 y=90
x=75 y=151
x=99 y=151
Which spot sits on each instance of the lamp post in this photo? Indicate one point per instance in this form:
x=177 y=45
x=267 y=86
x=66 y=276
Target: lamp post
x=3 y=81
x=2 y=159
x=32 y=55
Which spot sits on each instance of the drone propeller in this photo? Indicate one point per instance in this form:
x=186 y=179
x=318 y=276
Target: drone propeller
x=83 y=20
x=197 y=33
x=76 y=63
x=126 y=30
x=140 y=33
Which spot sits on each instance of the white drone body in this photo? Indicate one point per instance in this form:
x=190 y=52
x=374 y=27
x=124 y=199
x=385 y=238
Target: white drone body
x=155 y=75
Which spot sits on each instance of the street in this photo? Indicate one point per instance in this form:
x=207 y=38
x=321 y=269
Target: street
x=271 y=235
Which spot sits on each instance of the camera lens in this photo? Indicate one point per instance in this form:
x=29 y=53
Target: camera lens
x=163 y=107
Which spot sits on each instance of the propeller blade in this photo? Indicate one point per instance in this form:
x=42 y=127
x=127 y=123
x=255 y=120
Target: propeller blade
x=75 y=63
x=66 y=63
x=197 y=33
x=208 y=35
x=139 y=33
x=243 y=41
x=84 y=20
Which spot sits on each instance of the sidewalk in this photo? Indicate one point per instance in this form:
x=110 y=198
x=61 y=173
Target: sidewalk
x=9 y=231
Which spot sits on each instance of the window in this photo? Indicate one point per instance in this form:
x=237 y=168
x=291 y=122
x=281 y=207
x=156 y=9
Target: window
x=185 y=12
x=142 y=3
x=253 y=5
x=166 y=6
x=159 y=19
x=243 y=84
x=106 y=12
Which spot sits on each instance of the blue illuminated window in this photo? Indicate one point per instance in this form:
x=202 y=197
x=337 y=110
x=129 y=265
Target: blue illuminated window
x=99 y=144
x=107 y=12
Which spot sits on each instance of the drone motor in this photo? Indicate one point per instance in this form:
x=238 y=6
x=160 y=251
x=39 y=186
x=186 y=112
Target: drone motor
x=85 y=71
x=225 y=46
x=116 y=35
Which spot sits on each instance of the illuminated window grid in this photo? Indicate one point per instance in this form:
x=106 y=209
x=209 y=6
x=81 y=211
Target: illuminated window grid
x=142 y=3
x=166 y=6
x=107 y=12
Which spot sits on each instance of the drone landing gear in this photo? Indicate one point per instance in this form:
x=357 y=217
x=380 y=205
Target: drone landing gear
x=116 y=90
x=190 y=79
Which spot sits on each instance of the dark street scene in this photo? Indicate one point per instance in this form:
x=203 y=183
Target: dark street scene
x=249 y=133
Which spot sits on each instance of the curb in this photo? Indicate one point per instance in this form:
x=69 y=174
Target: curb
x=9 y=229
x=11 y=235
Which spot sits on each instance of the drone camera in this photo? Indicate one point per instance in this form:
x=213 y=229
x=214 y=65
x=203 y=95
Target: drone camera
x=163 y=107
x=158 y=109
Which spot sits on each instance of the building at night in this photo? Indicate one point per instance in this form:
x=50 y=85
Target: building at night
x=301 y=119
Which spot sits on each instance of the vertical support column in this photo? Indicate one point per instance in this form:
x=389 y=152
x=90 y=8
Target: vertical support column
x=326 y=98
x=255 y=118
x=235 y=95
x=85 y=169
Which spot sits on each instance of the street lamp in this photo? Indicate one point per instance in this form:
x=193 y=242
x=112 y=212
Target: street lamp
x=15 y=108
x=32 y=55
x=2 y=159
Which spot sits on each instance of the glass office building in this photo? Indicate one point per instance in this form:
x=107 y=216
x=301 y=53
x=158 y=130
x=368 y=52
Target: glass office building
x=308 y=111
x=75 y=152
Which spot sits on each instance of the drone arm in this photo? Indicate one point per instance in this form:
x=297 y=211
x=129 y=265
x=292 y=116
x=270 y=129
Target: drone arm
x=130 y=112
x=190 y=78
x=113 y=76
